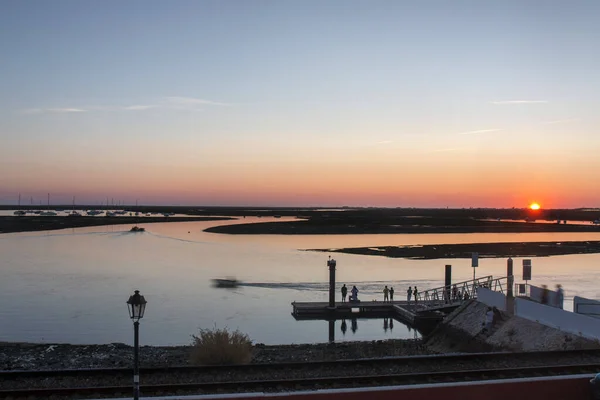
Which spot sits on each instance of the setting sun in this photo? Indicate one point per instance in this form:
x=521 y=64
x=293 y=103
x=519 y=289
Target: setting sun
x=534 y=206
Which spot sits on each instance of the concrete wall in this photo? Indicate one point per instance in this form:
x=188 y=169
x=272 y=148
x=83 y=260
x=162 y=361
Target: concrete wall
x=491 y=298
x=566 y=321
x=589 y=307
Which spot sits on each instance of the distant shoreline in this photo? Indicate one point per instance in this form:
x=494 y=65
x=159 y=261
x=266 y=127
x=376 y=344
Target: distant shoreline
x=341 y=226
x=14 y=224
x=485 y=250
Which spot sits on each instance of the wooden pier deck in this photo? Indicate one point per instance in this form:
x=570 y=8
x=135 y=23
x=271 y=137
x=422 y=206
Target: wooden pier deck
x=402 y=311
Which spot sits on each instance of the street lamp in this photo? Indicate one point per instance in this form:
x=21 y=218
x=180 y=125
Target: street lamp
x=136 y=306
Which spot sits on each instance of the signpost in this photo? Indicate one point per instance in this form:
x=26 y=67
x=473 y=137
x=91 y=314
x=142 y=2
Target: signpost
x=474 y=262
x=526 y=272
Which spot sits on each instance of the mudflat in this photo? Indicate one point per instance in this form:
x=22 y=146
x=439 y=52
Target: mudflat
x=10 y=224
x=485 y=250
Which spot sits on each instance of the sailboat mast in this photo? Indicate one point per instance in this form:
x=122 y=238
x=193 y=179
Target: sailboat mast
x=48 y=201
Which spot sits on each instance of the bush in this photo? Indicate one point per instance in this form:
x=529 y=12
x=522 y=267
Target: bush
x=221 y=347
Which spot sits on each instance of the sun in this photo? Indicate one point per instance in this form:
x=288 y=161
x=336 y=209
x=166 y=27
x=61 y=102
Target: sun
x=534 y=206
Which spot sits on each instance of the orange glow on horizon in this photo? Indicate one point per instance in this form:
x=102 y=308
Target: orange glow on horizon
x=534 y=206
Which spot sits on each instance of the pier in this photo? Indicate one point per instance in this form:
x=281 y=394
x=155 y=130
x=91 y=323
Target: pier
x=431 y=307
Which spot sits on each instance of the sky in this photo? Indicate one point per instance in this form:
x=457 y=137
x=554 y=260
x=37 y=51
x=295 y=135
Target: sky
x=445 y=103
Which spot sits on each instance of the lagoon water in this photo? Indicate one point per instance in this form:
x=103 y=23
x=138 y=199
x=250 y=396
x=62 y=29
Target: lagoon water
x=70 y=286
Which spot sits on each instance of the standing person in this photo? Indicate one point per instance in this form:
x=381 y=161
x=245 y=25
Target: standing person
x=408 y=294
x=392 y=294
x=545 y=291
x=344 y=292
x=415 y=294
x=454 y=293
x=560 y=296
x=386 y=294
x=354 y=292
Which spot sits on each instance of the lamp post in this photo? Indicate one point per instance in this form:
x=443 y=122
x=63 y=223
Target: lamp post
x=136 y=306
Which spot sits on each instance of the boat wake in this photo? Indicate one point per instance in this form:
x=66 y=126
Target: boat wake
x=371 y=287
x=178 y=239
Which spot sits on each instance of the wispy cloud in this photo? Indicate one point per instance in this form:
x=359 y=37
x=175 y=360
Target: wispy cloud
x=442 y=150
x=479 y=131
x=139 y=107
x=192 y=101
x=385 y=141
x=520 y=102
x=561 y=121
x=52 y=110
x=169 y=102
x=66 y=110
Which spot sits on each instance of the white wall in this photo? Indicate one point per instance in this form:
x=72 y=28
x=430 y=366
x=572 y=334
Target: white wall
x=491 y=298
x=566 y=321
x=535 y=293
x=588 y=307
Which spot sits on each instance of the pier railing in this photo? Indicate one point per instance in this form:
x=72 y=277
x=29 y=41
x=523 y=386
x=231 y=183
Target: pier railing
x=459 y=292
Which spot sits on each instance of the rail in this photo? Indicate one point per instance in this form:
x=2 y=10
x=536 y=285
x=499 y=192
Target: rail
x=287 y=384
x=458 y=292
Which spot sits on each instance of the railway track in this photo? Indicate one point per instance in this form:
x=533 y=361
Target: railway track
x=297 y=376
x=306 y=384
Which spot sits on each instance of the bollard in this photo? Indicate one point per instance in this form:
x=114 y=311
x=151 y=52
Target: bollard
x=331 y=264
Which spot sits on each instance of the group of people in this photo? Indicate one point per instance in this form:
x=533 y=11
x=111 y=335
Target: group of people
x=353 y=293
x=558 y=297
x=388 y=294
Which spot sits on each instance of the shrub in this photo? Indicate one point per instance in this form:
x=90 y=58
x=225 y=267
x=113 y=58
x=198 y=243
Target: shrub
x=221 y=347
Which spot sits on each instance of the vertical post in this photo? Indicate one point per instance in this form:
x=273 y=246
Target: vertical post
x=136 y=360
x=510 y=300
x=331 y=264
x=510 y=279
x=448 y=283
x=331 y=331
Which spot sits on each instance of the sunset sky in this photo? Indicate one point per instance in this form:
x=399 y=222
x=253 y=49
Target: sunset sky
x=301 y=103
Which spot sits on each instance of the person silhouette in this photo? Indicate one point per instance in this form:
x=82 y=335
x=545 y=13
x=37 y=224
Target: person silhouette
x=385 y=325
x=344 y=327
x=344 y=292
x=391 y=324
x=354 y=325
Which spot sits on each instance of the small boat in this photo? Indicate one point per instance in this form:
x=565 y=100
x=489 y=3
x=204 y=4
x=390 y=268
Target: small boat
x=226 y=283
x=137 y=229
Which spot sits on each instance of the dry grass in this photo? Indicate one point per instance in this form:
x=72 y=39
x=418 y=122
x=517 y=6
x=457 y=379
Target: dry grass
x=221 y=347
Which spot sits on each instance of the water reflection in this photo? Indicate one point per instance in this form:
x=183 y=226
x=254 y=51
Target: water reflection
x=388 y=326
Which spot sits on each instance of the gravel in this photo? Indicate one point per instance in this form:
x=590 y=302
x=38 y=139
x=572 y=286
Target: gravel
x=30 y=356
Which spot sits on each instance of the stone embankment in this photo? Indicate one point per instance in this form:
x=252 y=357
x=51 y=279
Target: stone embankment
x=29 y=356
x=462 y=331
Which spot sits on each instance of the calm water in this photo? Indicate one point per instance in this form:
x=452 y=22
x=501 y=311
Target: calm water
x=71 y=285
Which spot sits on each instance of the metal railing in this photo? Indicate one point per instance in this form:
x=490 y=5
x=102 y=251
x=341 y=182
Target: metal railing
x=459 y=292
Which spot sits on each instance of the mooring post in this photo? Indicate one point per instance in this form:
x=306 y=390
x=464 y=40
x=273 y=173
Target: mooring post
x=331 y=264
x=448 y=283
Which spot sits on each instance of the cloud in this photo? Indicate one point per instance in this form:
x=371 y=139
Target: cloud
x=561 y=121
x=479 y=131
x=192 y=101
x=520 y=102
x=442 y=150
x=170 y=102
x=65 y=110
x=385 y=142
x=138 y=107
x=52 y=110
